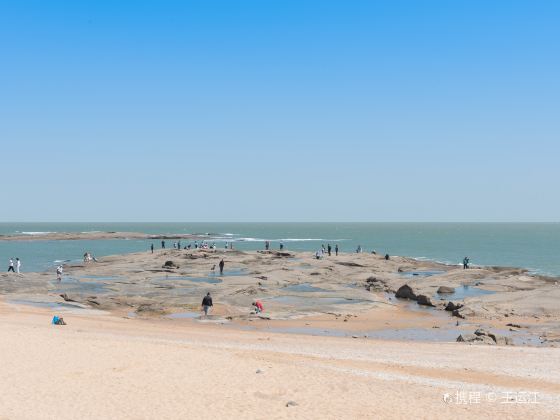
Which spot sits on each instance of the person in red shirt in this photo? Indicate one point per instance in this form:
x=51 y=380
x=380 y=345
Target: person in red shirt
x=258 y=306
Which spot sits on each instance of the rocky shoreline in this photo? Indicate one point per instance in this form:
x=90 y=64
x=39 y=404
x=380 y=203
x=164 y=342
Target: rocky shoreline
x=358 y=294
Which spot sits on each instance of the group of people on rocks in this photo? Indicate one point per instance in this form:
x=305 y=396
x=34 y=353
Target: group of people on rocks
x=326 y=251
x=195 y=245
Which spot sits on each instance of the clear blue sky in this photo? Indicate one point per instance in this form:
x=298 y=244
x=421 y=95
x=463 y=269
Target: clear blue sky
x=280 y=110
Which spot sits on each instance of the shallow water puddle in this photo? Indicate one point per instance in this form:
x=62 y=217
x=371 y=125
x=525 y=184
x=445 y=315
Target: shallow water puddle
x=462 y=293
x=184 y=315
x=304 y=287
x=426 y=273
x=314 y=301
x=211 y=280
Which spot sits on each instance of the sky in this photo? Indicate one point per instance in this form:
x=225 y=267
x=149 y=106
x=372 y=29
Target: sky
x=279 y=110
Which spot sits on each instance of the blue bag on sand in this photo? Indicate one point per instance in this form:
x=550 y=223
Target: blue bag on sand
x=55 y=320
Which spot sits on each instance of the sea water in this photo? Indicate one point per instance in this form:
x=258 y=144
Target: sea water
x=535 y=246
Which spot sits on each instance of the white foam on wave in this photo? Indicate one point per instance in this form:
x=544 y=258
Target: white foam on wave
x=35 y=233
x=248 y=239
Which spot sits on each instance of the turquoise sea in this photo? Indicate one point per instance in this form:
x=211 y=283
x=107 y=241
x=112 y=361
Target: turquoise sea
x=535 y=246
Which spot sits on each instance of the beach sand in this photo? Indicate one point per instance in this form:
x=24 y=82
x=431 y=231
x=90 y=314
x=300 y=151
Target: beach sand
x=109 y=367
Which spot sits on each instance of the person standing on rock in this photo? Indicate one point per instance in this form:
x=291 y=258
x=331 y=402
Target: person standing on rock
x=465 y=263
x=329 y=249
x=18 y=265
x=207 y=303
x=59 y=273
x=11 y=266
x=281 y=245
x=336 y=250
x=222 y=266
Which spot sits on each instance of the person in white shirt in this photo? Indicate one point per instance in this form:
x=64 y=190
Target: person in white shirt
x=59 y=273
x=11 y=266
x=18 y=265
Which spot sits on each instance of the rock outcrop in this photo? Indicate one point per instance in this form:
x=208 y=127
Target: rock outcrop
x=406 y=292
x=482 y=336
x=452 y=306
x=424 y=300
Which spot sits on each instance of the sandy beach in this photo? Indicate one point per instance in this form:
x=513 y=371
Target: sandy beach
x=109 y=367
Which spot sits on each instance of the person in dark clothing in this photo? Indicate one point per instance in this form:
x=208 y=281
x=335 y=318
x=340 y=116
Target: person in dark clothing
x=207 y=303
x=222 y=266
x=281 y=246
x=178 y=244
x=267 y=245
x=163 y=244
x=329 y=249
x=465 y=263
x=387 y=257
x=152 y=248
x=336 y=250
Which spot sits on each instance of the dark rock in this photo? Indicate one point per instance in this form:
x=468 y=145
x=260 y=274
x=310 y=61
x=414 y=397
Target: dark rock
x=169 y=264
x=445 y=289
x=349 y=264
x=283 y=254
x=458 y=314
x=514 y=325
x=424 y=300
x=291 y=404
x=480 y=331
x=66 y=298
x=406 y=292
x=451 y=306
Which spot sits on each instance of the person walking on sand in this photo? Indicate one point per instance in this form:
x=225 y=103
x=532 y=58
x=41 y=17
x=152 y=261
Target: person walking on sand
x=18 y=265
x=207 y=303
x=336 y=250
x=152 y=248
x=222 y=266
x=465 y=263
x=329 y=249
x=11 y=266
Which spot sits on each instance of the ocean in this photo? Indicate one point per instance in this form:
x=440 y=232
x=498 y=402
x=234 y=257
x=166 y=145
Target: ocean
x=535 y=246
